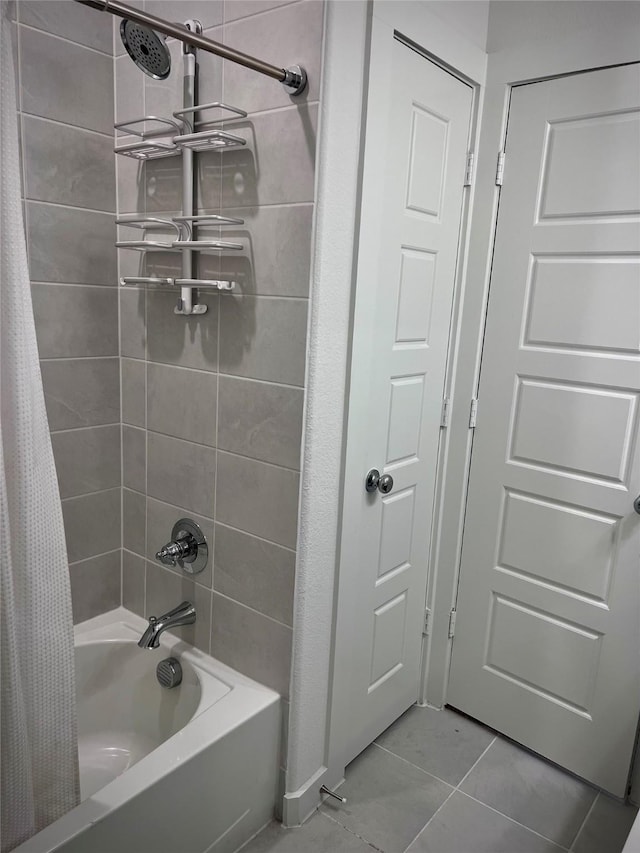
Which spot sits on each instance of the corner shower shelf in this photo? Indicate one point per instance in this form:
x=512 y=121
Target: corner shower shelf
x=183 y=228
x=215 y=284
x=148 y=146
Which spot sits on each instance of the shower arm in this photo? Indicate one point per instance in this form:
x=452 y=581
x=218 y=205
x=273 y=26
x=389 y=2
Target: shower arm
x=294 y=78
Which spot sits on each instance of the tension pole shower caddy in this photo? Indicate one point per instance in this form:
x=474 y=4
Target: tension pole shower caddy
x=185 y=134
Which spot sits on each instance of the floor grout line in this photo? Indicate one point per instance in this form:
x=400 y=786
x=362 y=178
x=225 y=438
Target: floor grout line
x=415 y=766
x=475 y=763
x=586 y=818
x=413 y=840
x=350 y=831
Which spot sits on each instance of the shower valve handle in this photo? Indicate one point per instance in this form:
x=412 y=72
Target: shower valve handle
x=187 y=550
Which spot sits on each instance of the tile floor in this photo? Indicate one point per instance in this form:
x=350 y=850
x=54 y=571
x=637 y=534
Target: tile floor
x=437 y=782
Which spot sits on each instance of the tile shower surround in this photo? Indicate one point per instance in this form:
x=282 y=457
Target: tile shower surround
x=65 y=92
x=212 y=405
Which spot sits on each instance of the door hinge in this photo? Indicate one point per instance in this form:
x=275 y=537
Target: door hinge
x=426 y=628
x=500 y=169
x=473 y=413
x=444 y=417
x=468 y=175
x=452 y=623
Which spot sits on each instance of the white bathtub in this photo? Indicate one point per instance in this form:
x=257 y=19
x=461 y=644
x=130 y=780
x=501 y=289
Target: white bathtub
x=189 y=769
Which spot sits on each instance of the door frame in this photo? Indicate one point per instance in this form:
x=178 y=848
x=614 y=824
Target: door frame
x=412 y=30
x=516 y=65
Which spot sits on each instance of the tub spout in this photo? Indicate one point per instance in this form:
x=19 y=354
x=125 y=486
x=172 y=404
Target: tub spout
x=183 y=614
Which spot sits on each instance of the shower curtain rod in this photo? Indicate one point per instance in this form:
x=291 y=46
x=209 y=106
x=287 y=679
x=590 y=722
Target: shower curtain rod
x=294 y=78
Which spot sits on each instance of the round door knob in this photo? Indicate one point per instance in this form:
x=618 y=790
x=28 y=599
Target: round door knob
x=372 y=480
x=385 y=484
x=636 y=504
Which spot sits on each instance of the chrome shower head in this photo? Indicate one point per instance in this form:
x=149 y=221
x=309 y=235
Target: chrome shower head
x=147 y=49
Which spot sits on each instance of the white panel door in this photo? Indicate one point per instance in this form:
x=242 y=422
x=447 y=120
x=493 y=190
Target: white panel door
x=547 y=645
x=414 y=185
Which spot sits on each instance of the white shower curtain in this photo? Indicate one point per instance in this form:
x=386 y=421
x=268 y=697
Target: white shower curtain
x=39 y=765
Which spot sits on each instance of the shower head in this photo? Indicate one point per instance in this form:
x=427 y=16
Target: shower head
x=147 y=49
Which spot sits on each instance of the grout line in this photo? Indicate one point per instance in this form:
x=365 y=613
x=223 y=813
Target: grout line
x=80 y=358
x=252 y=15
x=512 y=820
x=495 y=738
x=66 y=40
x=90 y=495
x=350 y=831
x=78 y=429
x=108 y=288
x=94 y=556
x=431 y=818
x=78 y=127
x=253 y=610
x=586 y=818
x=109 y=213
x=415 y=766
x=255 y=536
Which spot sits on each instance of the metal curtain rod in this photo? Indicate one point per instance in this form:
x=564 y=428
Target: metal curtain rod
x=294 y=78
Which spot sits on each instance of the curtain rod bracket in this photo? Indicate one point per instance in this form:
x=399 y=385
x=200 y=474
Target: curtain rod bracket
x=295 y=79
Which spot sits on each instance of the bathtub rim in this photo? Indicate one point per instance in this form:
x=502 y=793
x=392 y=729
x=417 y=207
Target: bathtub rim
x=245 y=698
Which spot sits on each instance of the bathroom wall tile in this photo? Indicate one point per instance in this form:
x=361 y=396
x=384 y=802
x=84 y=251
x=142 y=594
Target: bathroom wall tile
x=208 y=12
x=129 y=83
x=165 y=590
x=81 y=392
x=160 y=520
x=234 y=9
x=182 y=402
x=95 y=585
x=71 y=246
x=251 y=643
x=134 y=521
x=163 y=178
x=87 y=460
x=181 y=473
x=130 y=182
x=261 y=420
x=51 y=69
x=134 y=458
x=276 y=257
x=254 y=572
x=186 y=341
x=212 y=70
x=74 y=321
x=133 y=571
x=258 y=498
x=276 y=166
x=92 y=524
x=133 y=392
x=273 y=36
x=74 y=22
x=263 y=338
x=68 y=165
x=133 y=333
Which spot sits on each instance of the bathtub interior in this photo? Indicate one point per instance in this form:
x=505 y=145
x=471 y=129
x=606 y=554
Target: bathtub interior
x=123 y=712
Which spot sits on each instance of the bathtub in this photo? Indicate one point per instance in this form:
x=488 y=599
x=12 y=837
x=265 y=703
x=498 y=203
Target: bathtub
x=190 y=769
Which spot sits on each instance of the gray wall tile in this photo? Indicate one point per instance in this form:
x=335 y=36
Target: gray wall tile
x=71 y=21
x=133 y=579
x=182 y=403
x=71 y=246
x=65 y=81
x=276 y=166
x=271 y=36
x=234 y=9
x=165 y=590
x=81 y=392
x=68 y=165
x=254 y=572
x=75 y=321
x=160 y=520
x=261 y=420
x=259 y=498
x=264 y=338
x=134 y=458
x=87 y=460
x=208 y=12
x=133 y=374
x=133 y=335
x=186 y=341
x=95 y=585
x=181 y=473
x=277 y=256
x=129 y=83
x=92 y=524
x=251 y=643
x=133 y=521
x=130 y=183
